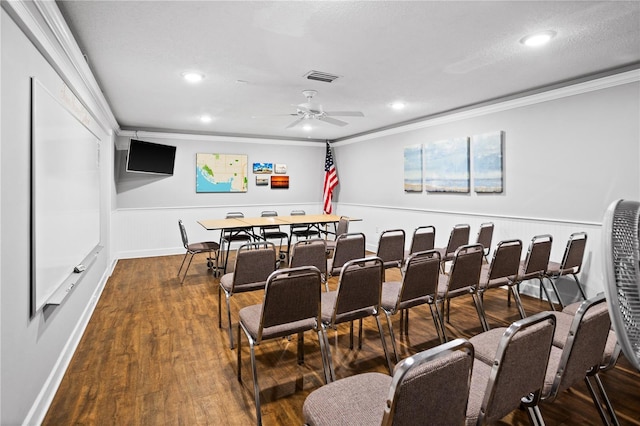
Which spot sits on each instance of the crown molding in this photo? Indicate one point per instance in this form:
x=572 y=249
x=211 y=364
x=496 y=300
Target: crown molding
x=546 y=96
x=43 y=24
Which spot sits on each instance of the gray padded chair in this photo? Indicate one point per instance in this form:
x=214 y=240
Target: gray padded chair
x=609 y=358
x=502 y=271
x=391 y=248
x=302 y=231
x=254 y=263
x=232 y=235
x=459 y=237
x=534 y=265
x=357 y=296
x=291 y=305
x=342 y=228
x=462 y=279
x=348 y=247
x=430 y=387
x=273 y=232
x=509 y=368
x=570 y=265
x=311 y=252
x=418 y=287
x=423 y=239
x=485 y=237
x=577 y=354
x=192 y=249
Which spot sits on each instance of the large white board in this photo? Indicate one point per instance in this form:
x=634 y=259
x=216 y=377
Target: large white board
x=65 y=189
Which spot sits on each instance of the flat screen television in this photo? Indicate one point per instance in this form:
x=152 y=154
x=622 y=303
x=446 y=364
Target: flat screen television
x=149 y=157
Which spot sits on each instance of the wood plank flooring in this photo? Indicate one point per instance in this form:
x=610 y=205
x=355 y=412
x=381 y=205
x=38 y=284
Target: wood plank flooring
x=153 y=354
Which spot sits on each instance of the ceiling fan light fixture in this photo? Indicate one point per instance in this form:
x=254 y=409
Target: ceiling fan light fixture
x=398 y=105
x=307 y=127
x=538 y=39
x=193 y=76
x=206 y=118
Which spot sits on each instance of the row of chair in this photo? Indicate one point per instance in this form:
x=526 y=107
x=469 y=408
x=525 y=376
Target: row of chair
x=480 y=380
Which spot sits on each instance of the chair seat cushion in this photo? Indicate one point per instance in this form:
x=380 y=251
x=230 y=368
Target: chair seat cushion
x=390 y=290
x=486 y=344
x=226 y=282
x=367 y=395
x=204 y=246
x=250 y=316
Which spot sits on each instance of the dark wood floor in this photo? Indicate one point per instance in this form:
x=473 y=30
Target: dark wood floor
x=153 y=354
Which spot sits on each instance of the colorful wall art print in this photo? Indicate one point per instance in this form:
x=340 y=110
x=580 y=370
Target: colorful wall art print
x=262 y=180
x=262 y=168
x=279 y=182
x=281 y=169
x=221 y=173
x=447 y=165
x=413 y=168
x=487 y=162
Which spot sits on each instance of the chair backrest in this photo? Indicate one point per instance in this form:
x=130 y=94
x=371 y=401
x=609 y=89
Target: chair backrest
x=299 y=226
x=459 y=237
x=391 y=248
x=348 y=247
x=359 y=289
x=519 y=366
x=312 y=252
x=291 y=295
x=437 y=381
x=537 y=260
x=236 y=215
x=485 y=236
x=506 y=261
x=574 y=253
x=466 y=267
x=583 y=349
x=343 y=226
x=254 y=263
x=183 y=234
x=424 y=238
x=269 y=213
x=420 y=278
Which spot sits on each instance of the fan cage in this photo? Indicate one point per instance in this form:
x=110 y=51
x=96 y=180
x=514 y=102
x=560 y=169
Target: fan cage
x=624 y=277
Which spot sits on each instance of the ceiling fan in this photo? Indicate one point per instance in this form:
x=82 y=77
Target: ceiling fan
x=311 y=110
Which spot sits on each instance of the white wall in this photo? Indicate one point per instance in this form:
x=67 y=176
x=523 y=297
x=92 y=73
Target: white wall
x=148 y=207
x=35 y=351
x=567 y=155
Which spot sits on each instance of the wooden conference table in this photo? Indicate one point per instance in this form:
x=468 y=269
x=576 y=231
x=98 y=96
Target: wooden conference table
x=313 y=220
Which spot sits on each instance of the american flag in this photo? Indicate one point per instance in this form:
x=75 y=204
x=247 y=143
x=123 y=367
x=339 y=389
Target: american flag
x=330 y=180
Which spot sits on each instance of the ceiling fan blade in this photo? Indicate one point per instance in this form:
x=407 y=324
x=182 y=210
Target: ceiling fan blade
x=333 y=121
x=344 y=113
x=295 y=123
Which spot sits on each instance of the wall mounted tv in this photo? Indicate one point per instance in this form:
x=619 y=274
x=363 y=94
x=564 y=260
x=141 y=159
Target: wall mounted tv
x=148 y=157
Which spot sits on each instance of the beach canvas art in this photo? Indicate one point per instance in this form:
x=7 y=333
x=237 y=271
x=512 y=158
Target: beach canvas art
x=487 y=162
x=447 y=165
x=413 y=168
x=263 y=168
x=262 y=180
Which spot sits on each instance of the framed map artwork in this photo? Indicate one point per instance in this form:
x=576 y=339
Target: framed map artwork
x=221 y=173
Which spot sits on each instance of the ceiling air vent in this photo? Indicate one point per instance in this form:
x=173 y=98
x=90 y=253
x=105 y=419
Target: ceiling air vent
x=321 y=76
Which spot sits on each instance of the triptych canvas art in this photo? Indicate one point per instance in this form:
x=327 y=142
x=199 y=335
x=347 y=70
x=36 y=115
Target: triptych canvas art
x=454 y=165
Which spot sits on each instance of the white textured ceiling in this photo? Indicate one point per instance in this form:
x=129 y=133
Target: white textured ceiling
x=436 y=56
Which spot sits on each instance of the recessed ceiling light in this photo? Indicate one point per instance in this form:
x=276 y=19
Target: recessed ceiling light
x=307 y=127
x=538 y=39
x=206 y=118
x=192 y=76
x=397 y=105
